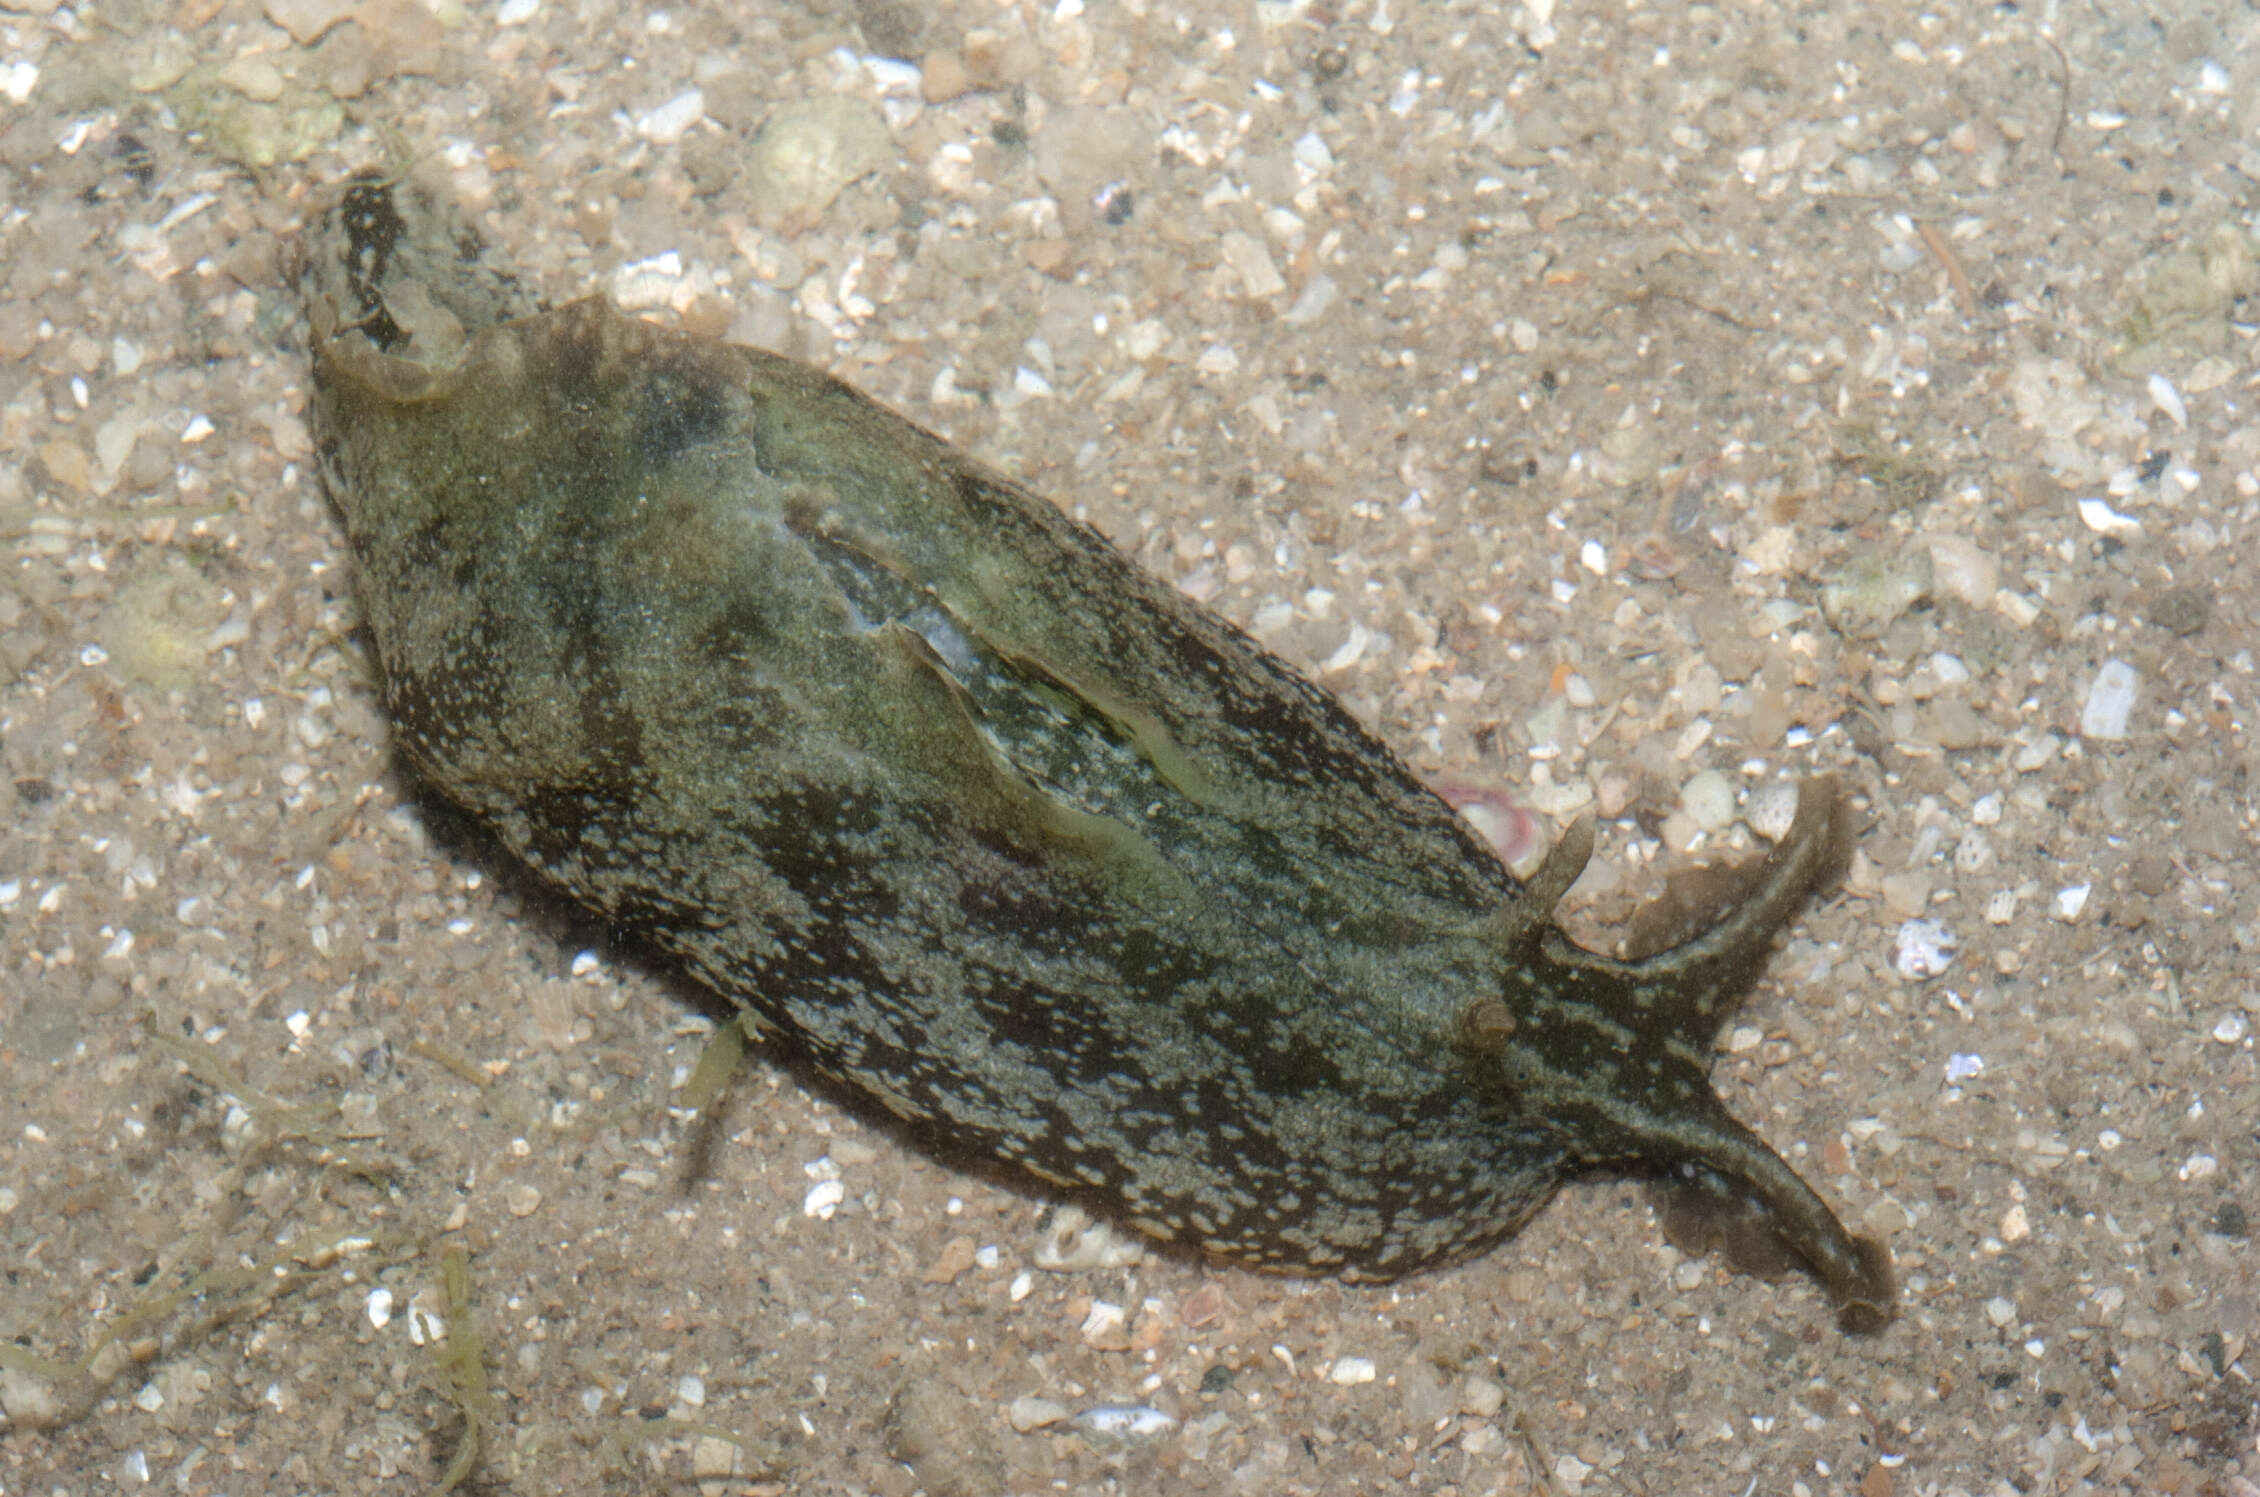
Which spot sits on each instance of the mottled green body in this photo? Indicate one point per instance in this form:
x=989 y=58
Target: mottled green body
x=1007 y=833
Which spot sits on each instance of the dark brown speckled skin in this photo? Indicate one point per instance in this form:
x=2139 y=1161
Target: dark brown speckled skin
x=1010 y=835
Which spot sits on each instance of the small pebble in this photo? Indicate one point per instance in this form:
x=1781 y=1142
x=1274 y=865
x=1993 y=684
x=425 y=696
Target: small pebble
x=66 y=465
x=1029 y=1412
x=1614 y=795
x=19 y=329
x=1481 y=1397
x=307 y=20
x=956 y=1258
x=2033 y=755
x=27 y=1399
x=807 y=153
x=942 y=77
x=523 y=1200
x=2070 y=901
x=1772 y=809
x=1957 y=726
x=1973 y=854
x=254 y=77
x=850 y=1152
x=1960 y=1068
x=1962 y=570
x=1885 y=1217
x=1907 y=894
x=713 y=1458
x=1348 y=1372
x=1708 y=800
x=1260 y=279
x=2230 y=1030
x=1869 y=592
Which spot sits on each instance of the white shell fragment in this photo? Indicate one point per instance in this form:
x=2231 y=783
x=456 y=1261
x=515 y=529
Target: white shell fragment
x=1348 y=1372
x=671 y=121
x=1923 y=949
x=1072 y=1241
x=427 y=1323
x=1259 y=276
x=2098 y=516
x=1124 y=1422
x=2110 y=701
x=1104 y=1319
x=2169 y=400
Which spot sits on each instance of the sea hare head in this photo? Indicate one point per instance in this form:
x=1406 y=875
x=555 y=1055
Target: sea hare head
x=1616 y=1054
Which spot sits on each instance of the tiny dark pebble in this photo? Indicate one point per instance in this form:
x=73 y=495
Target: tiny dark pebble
x=1218 y=1379
x=2183 y=609
x=1506 y=465
x=2230 y=1220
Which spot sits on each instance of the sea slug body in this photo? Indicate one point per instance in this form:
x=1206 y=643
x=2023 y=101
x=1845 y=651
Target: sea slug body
x=993 y=826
